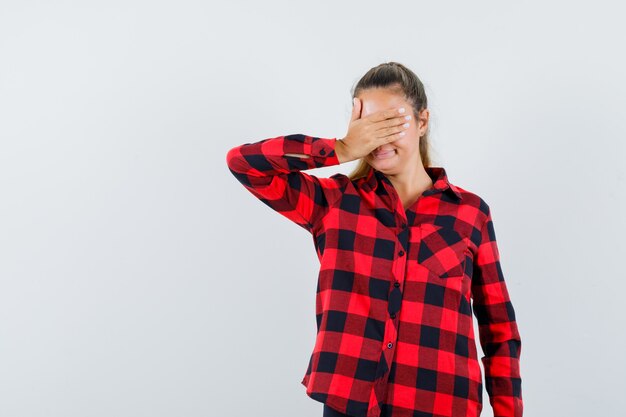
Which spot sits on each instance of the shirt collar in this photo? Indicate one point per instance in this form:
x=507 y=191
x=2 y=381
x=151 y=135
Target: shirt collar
x=437 y=174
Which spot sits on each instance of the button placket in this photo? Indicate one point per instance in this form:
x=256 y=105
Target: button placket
x=395 y=294
x=395 y=300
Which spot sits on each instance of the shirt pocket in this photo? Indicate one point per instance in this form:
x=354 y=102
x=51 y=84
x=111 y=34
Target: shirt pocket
x=443 y=251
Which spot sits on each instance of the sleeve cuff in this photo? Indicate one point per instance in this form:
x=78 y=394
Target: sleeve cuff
x=321 y=150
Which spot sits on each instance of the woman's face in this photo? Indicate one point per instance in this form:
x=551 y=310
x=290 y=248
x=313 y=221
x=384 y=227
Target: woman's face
x=393 y=157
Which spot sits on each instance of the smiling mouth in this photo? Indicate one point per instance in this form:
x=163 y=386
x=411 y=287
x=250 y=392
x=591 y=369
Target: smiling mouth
x=384 y=154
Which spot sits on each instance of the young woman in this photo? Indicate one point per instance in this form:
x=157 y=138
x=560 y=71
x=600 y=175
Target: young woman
x=405 y=258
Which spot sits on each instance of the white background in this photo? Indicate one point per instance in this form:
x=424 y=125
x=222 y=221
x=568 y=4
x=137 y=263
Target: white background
x=139 y=278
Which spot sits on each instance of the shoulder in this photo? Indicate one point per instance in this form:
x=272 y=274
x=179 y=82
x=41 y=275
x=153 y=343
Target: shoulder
x=473 y=201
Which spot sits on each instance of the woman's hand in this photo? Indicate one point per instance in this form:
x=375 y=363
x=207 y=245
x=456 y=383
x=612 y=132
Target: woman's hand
x=368 y=133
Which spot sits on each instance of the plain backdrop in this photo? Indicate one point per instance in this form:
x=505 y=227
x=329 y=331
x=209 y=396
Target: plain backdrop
x=139 y=278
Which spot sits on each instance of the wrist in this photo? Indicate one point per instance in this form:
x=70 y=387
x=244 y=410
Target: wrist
x=340 y=150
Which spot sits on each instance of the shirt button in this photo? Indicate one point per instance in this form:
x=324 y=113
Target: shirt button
x=389 y=345
x=322 y=152
x=393 y=315
x=401 y=253
x=396 y=284
x=404 y=225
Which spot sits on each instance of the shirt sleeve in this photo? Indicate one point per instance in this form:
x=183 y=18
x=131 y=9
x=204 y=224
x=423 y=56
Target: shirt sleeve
x=498 y=332
x=271 y=169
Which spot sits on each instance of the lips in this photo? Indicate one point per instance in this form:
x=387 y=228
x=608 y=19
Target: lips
x=384 y=154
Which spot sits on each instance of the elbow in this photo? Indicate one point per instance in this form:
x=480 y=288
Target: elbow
x=235 y=160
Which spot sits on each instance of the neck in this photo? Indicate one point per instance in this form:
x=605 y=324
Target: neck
x=411 y=182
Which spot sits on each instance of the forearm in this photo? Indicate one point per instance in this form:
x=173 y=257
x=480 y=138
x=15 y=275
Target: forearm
x=282 y=154
x=273 y=171
x=342 y=152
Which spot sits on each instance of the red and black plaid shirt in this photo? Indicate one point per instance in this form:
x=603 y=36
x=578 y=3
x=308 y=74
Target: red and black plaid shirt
x=396 y=288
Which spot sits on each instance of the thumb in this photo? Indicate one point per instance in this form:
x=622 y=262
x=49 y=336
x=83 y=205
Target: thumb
x=356 y=109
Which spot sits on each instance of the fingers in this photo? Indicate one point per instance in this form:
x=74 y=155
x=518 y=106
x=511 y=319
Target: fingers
x=387 y=114
x=394 y=137
x=390 y=138
x=400 y=121
x=397 y=131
